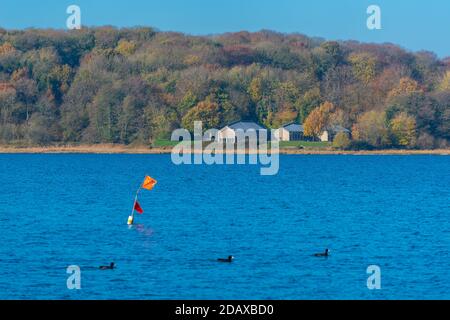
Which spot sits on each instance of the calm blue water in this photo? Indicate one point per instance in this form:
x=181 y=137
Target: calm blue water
x=61 y=210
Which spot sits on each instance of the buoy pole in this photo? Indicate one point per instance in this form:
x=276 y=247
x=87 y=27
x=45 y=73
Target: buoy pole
x=131 y=217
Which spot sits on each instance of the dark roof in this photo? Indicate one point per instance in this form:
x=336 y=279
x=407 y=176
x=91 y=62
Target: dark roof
x=243 y=125
x=293 y=127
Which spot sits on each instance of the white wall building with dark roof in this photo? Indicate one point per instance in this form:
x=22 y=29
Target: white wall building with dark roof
x=290 y=132
x=229 y=133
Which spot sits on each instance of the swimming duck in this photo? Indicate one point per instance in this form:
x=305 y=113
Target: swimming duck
x=324 y=254
x=229 y=259
x=110 y=267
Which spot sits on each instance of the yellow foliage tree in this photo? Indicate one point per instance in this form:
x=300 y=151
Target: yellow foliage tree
x=405 y=86
x=126 y=48
x=192 y=60
x=403 y=128
x=445 y=83
x=255 y=89
x=364 y=66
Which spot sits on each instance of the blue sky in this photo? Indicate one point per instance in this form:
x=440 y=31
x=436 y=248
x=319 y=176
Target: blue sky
x=413 y=24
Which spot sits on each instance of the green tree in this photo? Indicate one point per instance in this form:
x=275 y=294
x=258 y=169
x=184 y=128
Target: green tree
x=205 y=111
x=189 y=101
x=364 y=66
x=311 y=100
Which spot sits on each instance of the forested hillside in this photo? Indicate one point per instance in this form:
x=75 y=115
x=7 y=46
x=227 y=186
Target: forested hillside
x=107 y=85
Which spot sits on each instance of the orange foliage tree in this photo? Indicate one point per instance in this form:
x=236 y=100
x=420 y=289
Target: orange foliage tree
x=405 y=87
x=319 y=119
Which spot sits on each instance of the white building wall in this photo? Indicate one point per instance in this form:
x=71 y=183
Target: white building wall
x=227 y=134
x=282 y=134
x=286 y=135
x=325 y=136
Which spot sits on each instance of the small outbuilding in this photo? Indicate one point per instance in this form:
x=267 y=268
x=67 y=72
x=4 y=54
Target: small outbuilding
x=329 y=133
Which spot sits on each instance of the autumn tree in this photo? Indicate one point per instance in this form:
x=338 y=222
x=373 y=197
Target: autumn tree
x=257 y=88
x=159 y=124
x=126 y=48
x=403 y=129
x=424 y=108
x=205 y=111
x=39 y=131
x=314 y=123
x=444 y=85
x=9 y=129
x=320 y=118
x=283 y=117
x=189 y=101
x=364 y=66
x=341 y=141
x=372 y=128
x=406 y=86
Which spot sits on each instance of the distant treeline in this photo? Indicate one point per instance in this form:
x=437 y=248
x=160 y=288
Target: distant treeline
x=108 y=85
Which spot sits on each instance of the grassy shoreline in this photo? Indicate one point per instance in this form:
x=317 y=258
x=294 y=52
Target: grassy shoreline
x=122 y=149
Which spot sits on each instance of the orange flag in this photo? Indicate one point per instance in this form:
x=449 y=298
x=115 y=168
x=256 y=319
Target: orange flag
x=149 y=183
